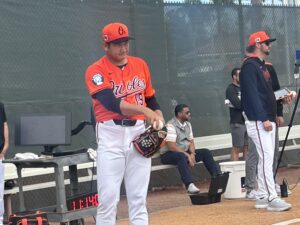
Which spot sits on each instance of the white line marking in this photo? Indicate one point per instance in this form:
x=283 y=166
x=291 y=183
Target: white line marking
x=288 y=222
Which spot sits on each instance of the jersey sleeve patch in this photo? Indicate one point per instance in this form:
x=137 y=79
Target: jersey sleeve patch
x=98 y=79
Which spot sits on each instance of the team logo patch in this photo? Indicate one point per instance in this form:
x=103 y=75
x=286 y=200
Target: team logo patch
x=257 y=39
x=97 y=79
x=121 y=30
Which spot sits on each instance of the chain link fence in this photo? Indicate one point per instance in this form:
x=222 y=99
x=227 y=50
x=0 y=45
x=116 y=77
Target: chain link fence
x=190 y=49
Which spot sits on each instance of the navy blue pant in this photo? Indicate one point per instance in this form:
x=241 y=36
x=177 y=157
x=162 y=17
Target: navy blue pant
x=180 y=160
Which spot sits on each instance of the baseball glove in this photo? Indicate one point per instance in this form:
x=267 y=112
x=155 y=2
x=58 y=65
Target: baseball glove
x=149 y=142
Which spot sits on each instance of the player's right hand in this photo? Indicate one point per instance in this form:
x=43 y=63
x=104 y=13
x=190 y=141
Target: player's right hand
x=192 y=160
x=151 y=116
x=267 y=125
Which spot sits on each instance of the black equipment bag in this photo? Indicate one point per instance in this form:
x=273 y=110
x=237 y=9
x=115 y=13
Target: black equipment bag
x=28 y=218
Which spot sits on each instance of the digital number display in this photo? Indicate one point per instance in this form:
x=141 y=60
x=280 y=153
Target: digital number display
x=82 y=201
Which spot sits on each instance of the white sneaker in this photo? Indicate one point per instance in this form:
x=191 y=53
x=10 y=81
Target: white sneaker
x=261 y=203
x=278 y=205
x=278 y=191
x=192 y=189
x=251 y=195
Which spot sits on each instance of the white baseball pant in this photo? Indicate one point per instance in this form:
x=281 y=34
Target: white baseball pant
x=117 y=159
x=265 y=146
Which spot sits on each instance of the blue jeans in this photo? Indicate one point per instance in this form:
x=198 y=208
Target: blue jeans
x=179 y=159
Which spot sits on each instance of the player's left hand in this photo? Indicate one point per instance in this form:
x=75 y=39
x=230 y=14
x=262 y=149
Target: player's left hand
x=279 y=121
x=289 y=98
x=191 y=159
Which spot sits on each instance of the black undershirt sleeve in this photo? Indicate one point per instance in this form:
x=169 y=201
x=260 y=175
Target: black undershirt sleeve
x=107 y=98
x=152 y=103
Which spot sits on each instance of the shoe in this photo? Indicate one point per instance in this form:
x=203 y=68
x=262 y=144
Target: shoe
x=278 y=191
x=192 y=189
x=251 y=195
x=278 y=205
x=261 y=203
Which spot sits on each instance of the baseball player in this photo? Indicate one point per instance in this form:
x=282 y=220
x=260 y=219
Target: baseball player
x=123 y=99
x=259 y=105
x=4 y=144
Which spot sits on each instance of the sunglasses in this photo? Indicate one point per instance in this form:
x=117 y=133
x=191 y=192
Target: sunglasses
x=267 y=43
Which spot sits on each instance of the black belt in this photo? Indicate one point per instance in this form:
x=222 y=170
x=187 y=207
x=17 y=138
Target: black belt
x=125 y=122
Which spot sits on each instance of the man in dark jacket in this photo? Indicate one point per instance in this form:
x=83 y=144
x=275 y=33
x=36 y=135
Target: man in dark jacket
x=260 y=111
x=237 y=121
x=252 y=159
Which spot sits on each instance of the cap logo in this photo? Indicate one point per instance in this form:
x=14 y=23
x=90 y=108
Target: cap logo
x=121 y=30
x=97 y=79
x=257 y=39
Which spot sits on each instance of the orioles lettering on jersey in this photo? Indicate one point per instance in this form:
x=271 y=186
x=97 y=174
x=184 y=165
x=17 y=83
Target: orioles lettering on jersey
x=133 y=86
x=131 y=83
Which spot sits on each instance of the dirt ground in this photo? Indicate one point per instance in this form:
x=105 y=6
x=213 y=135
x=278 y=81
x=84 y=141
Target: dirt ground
x=172 y=206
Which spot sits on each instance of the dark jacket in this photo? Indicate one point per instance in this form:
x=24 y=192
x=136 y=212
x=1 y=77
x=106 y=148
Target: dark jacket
x=233 y=93
x=258 y=99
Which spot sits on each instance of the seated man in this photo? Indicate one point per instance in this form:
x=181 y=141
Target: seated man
x=180 y=149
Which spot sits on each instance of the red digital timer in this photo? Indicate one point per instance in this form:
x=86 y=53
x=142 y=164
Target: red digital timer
x=83 y=201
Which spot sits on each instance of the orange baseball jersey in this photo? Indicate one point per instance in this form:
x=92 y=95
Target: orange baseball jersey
x=132 y=84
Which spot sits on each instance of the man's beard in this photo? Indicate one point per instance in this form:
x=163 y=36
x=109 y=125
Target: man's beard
x=266 y=52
